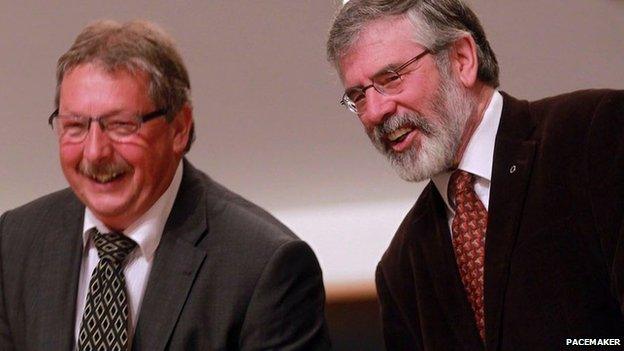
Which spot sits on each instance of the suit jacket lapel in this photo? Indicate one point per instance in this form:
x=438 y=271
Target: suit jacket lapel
x=440 y=257
x=54 y=306
x=513 y=160
x=176 y=263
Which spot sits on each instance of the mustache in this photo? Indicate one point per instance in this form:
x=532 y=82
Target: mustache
x=103 y=169
x=395 y=122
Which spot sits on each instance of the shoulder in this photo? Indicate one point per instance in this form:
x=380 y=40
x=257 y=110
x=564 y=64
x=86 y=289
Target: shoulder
x=22 y=228
x=562 y=120
x=574 y=107
x=581 y=105
x=591 y=119
x=579 y=102
x=579 y=99
x=45 y=210
x=235 y=220
x=226 y=205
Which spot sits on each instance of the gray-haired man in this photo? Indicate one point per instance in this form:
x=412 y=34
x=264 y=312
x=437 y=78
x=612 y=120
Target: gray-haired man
x=515 y=243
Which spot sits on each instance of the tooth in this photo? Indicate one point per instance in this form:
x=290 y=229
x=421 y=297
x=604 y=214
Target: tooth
x=399 y=133
x=104 y=177
x=101 y=178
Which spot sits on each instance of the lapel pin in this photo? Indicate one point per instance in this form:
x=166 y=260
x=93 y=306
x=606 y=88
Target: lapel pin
x=512 y=169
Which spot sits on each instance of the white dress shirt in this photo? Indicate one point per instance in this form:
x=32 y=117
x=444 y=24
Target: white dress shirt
x=478 y=157
x=146 y=232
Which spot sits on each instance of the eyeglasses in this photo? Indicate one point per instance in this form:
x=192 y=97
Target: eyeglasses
x=74 y=129
x=387 y=82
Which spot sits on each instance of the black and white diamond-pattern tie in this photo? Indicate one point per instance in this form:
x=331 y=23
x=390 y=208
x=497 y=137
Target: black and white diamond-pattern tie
x=104 y=324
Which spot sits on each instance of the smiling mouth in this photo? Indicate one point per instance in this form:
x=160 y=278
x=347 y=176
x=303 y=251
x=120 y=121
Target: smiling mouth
x=105 y=178
x=103 y=173
x=399 y=135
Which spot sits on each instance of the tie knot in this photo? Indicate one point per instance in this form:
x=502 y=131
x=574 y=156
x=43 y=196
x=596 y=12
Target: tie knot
x=113 y=247
x=461 y=183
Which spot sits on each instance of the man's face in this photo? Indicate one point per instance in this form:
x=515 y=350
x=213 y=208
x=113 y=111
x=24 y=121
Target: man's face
x=118 y=181
x=418 y=129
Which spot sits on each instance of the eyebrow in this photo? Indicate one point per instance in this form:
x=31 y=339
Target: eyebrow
x=388 y=67
x=105 y=115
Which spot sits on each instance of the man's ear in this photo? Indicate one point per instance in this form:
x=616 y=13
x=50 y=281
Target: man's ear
x=464 y=61
x=182 y=123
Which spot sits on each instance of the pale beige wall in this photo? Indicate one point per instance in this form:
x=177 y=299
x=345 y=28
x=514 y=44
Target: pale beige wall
x=265 y=100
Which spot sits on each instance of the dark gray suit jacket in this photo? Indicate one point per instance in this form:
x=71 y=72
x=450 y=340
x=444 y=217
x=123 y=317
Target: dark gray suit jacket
x=226 y=276
x=554 y=259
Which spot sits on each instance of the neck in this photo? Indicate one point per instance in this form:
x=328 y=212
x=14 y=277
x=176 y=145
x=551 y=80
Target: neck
x=483 y=95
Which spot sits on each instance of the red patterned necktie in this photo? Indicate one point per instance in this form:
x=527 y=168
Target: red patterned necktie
x=469 y=225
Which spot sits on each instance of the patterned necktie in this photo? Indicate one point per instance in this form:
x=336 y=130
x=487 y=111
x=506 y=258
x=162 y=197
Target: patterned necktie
x=469 y=225
x=105 y=320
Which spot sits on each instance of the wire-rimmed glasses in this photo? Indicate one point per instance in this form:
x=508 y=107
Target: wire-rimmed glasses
x=387 y=82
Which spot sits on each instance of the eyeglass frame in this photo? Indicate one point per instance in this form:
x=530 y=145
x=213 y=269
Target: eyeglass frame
x=100 y=120
x=350 y=104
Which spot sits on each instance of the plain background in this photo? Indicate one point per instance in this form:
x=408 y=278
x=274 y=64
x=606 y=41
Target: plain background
x=265 y=102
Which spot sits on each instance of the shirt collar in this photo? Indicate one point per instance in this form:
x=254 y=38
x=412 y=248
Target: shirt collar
x=147 y=230
x=479 y=154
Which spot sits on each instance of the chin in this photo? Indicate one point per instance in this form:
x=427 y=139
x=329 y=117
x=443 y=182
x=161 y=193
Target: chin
x=412 y=175
x=421 y=163
x=105 y=205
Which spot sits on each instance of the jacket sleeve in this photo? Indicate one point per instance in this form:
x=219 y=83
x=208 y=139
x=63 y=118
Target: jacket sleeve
x=6 y=342
x=397 y=335
x=605 y=179
x=286 y=311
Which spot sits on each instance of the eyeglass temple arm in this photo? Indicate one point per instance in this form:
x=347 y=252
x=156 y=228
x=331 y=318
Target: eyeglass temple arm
x=152 y=115
x=54 y=114
x=412 y=60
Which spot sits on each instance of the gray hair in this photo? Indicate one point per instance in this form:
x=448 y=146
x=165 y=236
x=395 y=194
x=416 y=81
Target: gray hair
x=437 y=23
x=133 y=46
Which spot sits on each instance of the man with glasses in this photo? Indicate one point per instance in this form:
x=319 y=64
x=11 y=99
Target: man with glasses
x=146 y=252
x=514 y=244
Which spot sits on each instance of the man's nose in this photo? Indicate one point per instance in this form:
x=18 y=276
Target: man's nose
x=378 y=107
x=97 y=145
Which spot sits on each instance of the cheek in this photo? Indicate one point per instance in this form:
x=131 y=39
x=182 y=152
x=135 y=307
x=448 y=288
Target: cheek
x=149 y=156
x=70 y=155
x=369 y=128
x=418 y=101
x=143 y=160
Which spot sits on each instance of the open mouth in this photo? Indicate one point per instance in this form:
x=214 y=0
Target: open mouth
x=106 y=177
x=399 y=135
x=103 y=173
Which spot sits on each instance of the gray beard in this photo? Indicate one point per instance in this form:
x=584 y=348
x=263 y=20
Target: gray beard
x=440 y=138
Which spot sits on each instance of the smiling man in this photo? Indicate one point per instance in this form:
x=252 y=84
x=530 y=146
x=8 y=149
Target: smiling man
x=513 y=243
x=145 y=252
